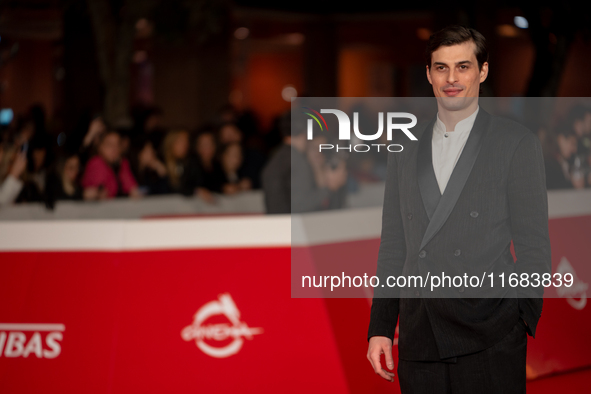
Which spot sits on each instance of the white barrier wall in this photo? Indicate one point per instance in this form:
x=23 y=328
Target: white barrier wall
x=562 y=203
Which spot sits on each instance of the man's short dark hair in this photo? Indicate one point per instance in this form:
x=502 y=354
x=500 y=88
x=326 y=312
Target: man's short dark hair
x=285 y=126
x=454 y=35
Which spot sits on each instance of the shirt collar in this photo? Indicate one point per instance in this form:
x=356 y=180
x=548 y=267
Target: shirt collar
x=462 y=126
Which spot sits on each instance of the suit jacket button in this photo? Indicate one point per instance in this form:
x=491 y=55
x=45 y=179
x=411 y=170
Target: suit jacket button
x=409 y=216
x=461 y=289
x=457 y=252
x=473 y=214
x=422 y=253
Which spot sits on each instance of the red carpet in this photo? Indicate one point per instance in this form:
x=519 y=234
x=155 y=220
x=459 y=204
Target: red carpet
x=576 y=382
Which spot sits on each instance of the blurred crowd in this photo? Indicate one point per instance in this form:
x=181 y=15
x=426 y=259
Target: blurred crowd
x=567 y=150
x=97 y=161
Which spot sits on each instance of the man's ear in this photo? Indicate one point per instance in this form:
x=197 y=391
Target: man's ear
x=429 y=75
x=483 y=72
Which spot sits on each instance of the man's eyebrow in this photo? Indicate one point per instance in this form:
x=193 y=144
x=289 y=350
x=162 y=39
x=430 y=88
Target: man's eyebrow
x=457 y=63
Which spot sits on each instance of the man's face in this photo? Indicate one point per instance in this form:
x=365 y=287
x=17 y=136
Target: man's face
x=455 y=76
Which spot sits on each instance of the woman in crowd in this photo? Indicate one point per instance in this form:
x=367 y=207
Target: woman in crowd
x=231 y=178
x=252 y=159
x=206 y=149
x=35 y=177
x=558 y=167
x=64 y=183
x=107 y=174
x=150 y=173
x=184 y=176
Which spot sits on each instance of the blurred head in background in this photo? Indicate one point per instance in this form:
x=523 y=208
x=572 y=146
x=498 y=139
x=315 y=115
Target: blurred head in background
x=67 y=181
x=579 y=117
x=110 y=147
x=176 y=145
x=146 y=154
x=175 y=151
x=231 y=157
x=70 y=168
x=153 y=120
x=229 y=133
x=295 y=137
x=567 y=142
x=205 y=147
x=38 y=152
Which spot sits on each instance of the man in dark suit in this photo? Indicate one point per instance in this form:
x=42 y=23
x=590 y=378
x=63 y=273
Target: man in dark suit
x=453 y=203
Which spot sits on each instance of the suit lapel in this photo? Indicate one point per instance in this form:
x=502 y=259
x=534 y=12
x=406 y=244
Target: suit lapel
x=429 y=188
x=426 y=175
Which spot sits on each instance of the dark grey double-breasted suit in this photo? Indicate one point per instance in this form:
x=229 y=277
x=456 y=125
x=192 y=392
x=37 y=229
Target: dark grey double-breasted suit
x=495 y=195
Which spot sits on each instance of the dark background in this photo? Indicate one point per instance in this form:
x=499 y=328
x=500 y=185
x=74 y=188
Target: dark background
x=190 y=58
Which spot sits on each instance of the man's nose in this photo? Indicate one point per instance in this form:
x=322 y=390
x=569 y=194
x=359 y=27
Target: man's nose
x=451 y=76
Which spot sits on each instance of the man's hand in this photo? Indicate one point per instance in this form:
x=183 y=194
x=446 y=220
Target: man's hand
x=377 y=346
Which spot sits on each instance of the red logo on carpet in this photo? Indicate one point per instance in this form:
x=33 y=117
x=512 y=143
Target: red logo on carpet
x=578 y=288
x=205 y=335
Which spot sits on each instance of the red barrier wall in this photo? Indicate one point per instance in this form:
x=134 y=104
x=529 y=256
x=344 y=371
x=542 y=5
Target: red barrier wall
x=219 y=320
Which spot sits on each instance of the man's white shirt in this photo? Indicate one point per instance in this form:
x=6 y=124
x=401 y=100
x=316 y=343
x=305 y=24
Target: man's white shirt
x=447 y=147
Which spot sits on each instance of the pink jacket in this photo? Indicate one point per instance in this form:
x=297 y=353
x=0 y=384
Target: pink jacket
x=98 y=172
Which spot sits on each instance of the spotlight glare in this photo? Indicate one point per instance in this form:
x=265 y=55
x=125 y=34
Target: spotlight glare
x=288 y=92
x=521 y=22
x=241 y=33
